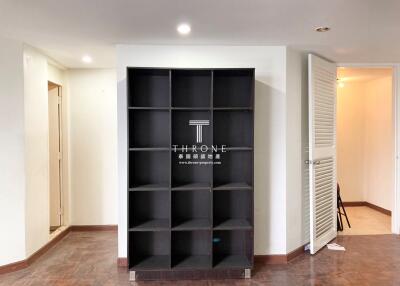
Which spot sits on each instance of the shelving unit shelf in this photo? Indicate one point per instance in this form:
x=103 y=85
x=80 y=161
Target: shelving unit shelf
x=190 y=173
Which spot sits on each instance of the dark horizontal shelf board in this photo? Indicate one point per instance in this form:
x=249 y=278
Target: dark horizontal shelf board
x=149 y=149
x=193 y=224
x=194 y=262
x=236 y=149
x=234 y=261
x=191 y=108
x=188 y=149
x=233 y=108
x=155 y=262
x=233 y=186
x=152 y=225
x=148 y=108
x=192 y=187
x=151 y=187
x=233 y=224
x=189 y=69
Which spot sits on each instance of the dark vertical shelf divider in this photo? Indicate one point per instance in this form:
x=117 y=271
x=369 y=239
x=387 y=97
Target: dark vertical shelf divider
x=212 y=170
x=170 y=156
x=190 y=188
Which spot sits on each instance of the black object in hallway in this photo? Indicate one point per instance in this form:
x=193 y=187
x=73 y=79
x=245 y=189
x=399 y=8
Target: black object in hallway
x=341 y=211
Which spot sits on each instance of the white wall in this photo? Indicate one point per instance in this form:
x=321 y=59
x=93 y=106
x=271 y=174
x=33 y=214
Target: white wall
x=297 y=194
x=37 y=72
x=270 y=120
x=379 y=143
x=24 y=189
x=24 y=197
x=55 y=74
x=36 y=150
x=365 y=134
x=350 y=132
x=92 y=96
x=12 y=161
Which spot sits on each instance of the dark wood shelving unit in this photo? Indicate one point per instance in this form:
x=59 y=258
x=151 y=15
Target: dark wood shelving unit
x=190 y=220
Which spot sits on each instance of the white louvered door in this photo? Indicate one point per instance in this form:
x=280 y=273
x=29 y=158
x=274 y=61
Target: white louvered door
x=322 y=151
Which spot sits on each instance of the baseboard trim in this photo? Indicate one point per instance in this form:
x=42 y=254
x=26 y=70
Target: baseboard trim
x=279 y=258
x=379 y=209
x=271 y=259
x=15 y=266
x=47 y=246
x=354 y=204
x=367 y=204
x=122 y=262
x=107 y=227
x=258 y=259
x=297 y=252
x=33 y=257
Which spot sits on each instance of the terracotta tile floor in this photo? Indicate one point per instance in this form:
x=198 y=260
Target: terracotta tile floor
x=89 y=258
x=365 y=220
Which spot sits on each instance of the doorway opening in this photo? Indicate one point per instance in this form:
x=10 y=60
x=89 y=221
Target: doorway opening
x=55 y=156
x=365 y=142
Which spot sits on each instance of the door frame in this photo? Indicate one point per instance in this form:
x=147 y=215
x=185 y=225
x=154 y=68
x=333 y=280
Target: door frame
x=396 y=125
x=60 y=135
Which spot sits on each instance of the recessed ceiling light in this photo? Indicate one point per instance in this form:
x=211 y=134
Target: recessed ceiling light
x=322 y=29
x=183 y=29
x=87 y=59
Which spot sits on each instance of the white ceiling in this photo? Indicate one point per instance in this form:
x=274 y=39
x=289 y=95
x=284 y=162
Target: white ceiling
x=362 y=30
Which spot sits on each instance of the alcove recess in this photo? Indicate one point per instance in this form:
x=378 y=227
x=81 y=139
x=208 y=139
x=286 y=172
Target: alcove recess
x=190 y=221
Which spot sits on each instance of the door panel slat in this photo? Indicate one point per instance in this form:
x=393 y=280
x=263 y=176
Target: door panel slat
x=322 y=149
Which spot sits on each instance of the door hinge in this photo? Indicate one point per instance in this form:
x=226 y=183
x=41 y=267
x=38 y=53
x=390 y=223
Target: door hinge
x=59 y=155
x=59 y=100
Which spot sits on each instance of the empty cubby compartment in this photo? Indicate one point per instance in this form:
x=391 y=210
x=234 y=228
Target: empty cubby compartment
x=191 y=209
x=233 y=88
x=232 y=248
x=232 y=209
x=148 y=88
x=149 y=210
x=149 y=168
x=185 y=130
x=149 y=250
x=236 y=168
x=233 y=128
x=190 y=176
x=191 y=88
x=191 y=249
x=148 y=128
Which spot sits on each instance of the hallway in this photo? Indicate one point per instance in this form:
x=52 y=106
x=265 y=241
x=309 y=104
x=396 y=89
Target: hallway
x=366 y=221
